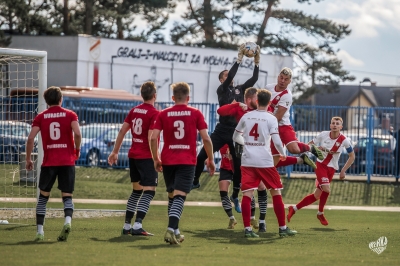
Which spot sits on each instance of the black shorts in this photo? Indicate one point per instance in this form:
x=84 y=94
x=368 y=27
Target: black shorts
x=225 y=175
x=178 y=177
x=65 y=174
x=142 y=171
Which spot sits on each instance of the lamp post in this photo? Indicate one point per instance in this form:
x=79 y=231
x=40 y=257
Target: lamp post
x=359 y=103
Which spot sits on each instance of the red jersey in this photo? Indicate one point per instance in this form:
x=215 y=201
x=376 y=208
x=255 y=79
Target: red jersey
x=141 y=119
x=180 y=124
x=57 y=136
x=232 y=109
x=225 y=158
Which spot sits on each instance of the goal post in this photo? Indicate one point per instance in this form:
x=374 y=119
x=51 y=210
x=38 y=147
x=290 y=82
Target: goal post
x=23 y=79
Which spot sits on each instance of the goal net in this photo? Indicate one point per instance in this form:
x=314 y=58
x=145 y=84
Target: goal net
x=23 y=76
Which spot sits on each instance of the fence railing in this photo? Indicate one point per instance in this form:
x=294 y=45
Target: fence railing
x=368 y=129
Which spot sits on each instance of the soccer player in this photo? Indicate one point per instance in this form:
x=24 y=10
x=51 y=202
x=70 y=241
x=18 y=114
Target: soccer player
x=223 y=131
x=237 y=110
x=140 y=121
x=331 y=143
x=61 y=140
x=281 y=101
x=254 y=131
x=180 y=124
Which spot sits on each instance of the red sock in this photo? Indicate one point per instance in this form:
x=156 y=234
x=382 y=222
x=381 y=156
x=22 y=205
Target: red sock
x=307 y=200
x=246 y=210
x=322 y=200
x=279 y=209
x=303 y=147
x=290 y=160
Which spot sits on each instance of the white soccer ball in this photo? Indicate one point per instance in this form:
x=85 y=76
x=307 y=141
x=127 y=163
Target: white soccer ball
x=250 y=49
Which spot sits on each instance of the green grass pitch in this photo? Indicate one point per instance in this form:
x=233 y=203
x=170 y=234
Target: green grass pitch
x=97 y=241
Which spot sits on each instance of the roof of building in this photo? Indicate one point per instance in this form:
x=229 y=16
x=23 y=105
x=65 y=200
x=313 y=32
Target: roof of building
x=346 y=94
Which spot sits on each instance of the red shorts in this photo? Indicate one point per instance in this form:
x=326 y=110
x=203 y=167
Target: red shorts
x=324 y=175
x=287 y=135
x=252 y=176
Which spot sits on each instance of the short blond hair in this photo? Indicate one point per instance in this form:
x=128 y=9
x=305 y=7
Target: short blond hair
x=180 y=90
x=287 y=72
x=337 y=118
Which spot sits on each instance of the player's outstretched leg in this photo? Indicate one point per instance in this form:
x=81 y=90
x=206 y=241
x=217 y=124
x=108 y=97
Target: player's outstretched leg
x=308 y=161
x=307 y=200
x=316 y=151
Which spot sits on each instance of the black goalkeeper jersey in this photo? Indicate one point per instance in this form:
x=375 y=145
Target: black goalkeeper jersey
x=227 y=93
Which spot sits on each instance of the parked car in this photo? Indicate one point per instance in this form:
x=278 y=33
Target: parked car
x=13 y=137
x=382 y=155
x=98 y=142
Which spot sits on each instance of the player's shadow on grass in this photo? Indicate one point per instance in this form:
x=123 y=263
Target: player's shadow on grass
x=325 y=229
x=122 y=239
x=28 y=243
x=234 y=237
x=11 y=227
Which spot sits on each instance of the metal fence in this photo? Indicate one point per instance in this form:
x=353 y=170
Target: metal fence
x=368 y=129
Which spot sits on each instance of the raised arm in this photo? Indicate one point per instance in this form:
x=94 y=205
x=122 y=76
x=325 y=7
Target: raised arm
x=250 y=82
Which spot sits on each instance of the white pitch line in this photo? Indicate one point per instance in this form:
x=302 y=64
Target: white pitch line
x=205 y=204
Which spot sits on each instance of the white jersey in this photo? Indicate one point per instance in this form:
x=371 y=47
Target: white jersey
x=286 y=101
x=326 y=142
x=257 y=127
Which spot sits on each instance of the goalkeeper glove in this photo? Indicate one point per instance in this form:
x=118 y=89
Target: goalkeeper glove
x=257 y=56
x=238 y=150
x=240 y=53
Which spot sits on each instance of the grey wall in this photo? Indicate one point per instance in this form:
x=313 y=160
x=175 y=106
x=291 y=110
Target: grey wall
x=62 y=56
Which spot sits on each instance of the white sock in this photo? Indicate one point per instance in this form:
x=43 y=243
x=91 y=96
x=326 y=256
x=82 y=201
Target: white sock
x=127 y=226
x=68 y=220
x=40 y=229
x=249 y=228
x=170 y=229
x=137 y=226
x=177 y=232
x=295 y=208
x=262 y=222
x=252 y=217
x=319 y=213
x=232 y=217
x=282 y=227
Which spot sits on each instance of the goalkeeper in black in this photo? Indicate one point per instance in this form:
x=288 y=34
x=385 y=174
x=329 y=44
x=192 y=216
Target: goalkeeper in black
x=227 y=93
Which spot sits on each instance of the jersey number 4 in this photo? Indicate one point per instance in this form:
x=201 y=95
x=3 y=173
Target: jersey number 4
x=254 y=132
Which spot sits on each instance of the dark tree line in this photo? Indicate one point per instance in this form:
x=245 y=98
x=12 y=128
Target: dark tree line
x=209 y=23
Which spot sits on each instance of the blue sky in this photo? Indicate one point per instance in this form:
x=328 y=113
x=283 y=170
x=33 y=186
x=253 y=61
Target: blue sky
x=372 y=47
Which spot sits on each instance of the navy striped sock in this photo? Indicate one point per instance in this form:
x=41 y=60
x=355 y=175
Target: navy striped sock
x=176 y=211
x=144 y=204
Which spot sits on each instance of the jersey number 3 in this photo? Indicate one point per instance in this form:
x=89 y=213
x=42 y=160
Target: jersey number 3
x=254 y=131
x=179 y=133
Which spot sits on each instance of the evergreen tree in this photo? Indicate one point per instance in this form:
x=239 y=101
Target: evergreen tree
x=223 y=26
